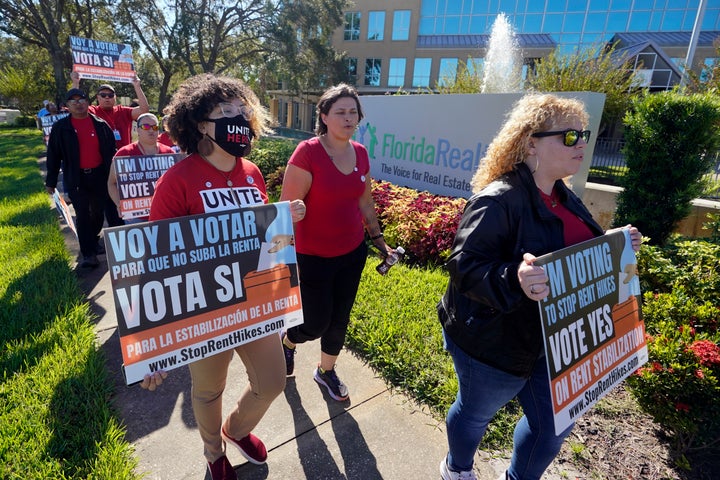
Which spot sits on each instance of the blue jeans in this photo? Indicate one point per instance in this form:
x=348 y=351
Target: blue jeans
x=483 y=390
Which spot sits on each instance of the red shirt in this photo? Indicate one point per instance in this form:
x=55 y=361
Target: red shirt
x=165 y=139
x=194 y=186
x=89 y=145
x=133 y=150
x=120 y=120
x=574 y=229
x=333 y=223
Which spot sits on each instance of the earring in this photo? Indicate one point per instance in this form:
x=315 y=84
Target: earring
x=205 y=146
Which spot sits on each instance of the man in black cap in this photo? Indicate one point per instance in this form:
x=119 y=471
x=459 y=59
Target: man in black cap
x=120 y=118
x=83 y=145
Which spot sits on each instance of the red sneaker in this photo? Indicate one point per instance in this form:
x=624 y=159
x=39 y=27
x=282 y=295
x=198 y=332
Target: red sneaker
x=250 y=447
x=221 y=469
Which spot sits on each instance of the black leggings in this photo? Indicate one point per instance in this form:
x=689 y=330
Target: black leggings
x=328 y=287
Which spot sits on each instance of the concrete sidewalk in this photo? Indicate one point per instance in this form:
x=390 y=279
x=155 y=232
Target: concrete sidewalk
x=377 y=434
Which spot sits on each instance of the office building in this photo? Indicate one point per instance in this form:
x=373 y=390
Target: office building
x=412 y=45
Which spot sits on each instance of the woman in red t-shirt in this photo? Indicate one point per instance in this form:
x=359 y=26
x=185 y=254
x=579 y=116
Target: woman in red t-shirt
x=331 y=173
x=147 y=144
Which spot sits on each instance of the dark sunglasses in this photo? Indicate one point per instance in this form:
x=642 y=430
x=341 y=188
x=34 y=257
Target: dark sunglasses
x=570 y=137
x=147 y=126
x=106 y=95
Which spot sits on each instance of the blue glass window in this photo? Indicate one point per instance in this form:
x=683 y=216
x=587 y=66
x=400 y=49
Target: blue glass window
x=507 y=6
x=533 y=23
x=452 y=25
x=599 y=5
x=421 y=72
x=428 y=8
x=555 y=6
x=396 y=74
x=573 y=22
x=643 y=5
x=351 y=65
x=427 y=26
x=655 y=21
x=708 y=64
x=711 y=20
x=453 y=8
x=535 y=7
x=553 y=23
x=621 y=4
x=617 y=21
x=639 y=22
x=475 y=65
x=352 y=26
x=401 y=25
x=373 y=67
x=595 y=22
x=478 y=24
x=376 y=25
x=689 y=21
x=448 y=71
x=672 y=20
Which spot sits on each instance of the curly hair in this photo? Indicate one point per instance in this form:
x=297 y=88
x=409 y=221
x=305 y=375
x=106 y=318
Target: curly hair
x=328 y=99
x=533 y=113
x=197 y=97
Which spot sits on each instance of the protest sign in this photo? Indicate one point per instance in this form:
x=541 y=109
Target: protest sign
x=99 y=60
x=191 y=287
x=136 y=178
x=48 y=121
x=64 y=210
x=592 y=324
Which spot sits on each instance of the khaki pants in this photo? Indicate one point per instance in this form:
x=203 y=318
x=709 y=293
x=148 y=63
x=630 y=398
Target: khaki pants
x=265 y=366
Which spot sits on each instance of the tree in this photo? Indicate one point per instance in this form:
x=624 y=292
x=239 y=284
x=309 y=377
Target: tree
x=47 y=24
x=670 y=144
x=594 y=70
x=466 y=81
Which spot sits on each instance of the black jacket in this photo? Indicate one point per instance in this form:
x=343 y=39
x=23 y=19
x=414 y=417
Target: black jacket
x=64 y=151
x=484 y=311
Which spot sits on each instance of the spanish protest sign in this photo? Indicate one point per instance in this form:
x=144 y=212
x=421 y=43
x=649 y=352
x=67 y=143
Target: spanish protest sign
x=48 y=121
x=191 y=287
x=100 y=60
x=136 y=178
x=592 y=323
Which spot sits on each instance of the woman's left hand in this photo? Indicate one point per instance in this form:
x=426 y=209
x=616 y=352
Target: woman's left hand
x=297 y=210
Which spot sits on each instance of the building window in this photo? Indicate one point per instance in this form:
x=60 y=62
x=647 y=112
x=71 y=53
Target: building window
x=396 y=74
x=351 y=65
x=352 y=26
x=448 y=71
x=401 y=25
x=373 y=66
x=376 y=26
x=421 y=72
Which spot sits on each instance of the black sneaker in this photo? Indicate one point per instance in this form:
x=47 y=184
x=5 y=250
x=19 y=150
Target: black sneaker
x=89 y=261
x=329 y=379
x=289 y=355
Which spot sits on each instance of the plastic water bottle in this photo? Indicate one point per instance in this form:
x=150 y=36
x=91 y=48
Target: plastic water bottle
x=390 y=260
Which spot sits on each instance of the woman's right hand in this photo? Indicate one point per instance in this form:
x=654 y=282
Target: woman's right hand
x=153 y=380
x=533 y=280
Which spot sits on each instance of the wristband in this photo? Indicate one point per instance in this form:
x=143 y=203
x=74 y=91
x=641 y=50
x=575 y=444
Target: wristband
x=377 y=236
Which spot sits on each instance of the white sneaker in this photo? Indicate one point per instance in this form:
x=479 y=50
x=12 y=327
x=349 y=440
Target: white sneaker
x=448 y=474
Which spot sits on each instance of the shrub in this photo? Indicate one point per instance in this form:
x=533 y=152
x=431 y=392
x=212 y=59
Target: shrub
x=423 y=223
x=269 y=154
x=670 y=140
x=680 y=385
x=24 y=121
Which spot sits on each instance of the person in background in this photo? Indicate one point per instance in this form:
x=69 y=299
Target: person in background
x=83 y=146
x=120 y=119
x=147 y=144
x=164 y=136
x=331 y=173
x=215 y=119
x=41 y=113
x=521 y=209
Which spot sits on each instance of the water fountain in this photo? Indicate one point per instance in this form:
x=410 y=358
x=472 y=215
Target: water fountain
x=502 y=69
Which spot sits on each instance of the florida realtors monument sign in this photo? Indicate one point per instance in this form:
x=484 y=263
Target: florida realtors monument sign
x=435 y=142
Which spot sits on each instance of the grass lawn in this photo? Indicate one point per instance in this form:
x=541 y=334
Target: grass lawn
x=55 y=417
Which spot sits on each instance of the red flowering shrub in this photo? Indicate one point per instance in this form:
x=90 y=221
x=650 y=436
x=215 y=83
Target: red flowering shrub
x=423 y=223
x=680 y=385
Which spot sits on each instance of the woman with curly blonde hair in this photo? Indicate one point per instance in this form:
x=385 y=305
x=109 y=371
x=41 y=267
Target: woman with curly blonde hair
x=491 y=323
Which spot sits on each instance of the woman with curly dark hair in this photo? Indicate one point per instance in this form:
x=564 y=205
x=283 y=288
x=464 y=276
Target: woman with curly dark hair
x=215 y=119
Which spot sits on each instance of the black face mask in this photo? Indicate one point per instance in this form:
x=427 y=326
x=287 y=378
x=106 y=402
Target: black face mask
x=233 y=135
